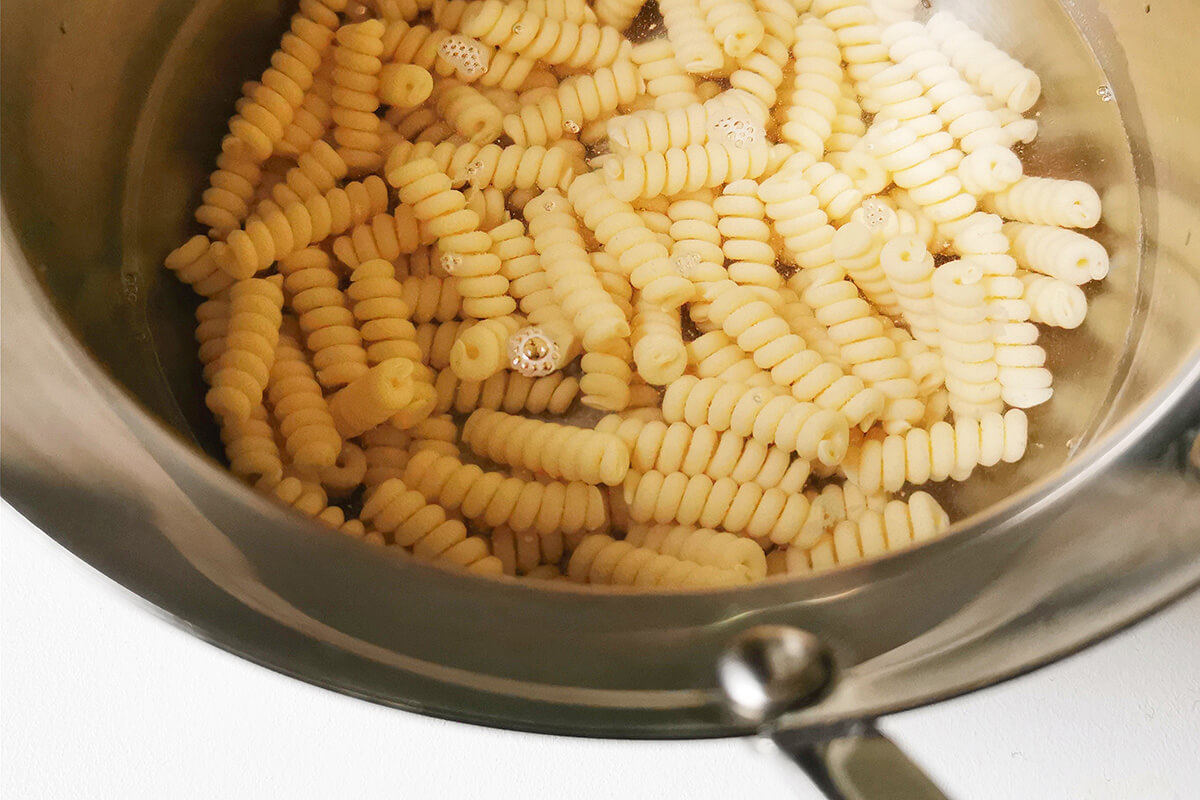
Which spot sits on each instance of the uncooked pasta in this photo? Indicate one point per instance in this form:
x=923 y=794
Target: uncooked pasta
x=688 y=295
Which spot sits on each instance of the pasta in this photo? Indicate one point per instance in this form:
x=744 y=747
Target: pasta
x=783 y=251
x=496 y=499
x=601 y=559
x=559 y=451
x=394 y=509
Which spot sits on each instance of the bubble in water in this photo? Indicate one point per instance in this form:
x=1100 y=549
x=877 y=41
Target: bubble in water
x=518 y=28
x=876 y=214
x=571 y=126
x=549 y=205
x=686 y=263
x=532 y=353
x=1105 y=93
x=451 y=262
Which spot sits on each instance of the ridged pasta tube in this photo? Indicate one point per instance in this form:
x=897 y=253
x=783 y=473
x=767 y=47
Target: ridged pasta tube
x=984 y=64
x=760 y=72
x=858 y=252
x=666 y=81
x=989 y=170
x=299 y=405
x=244 y=367
x=858 y=36
x=279 y=232
x=1053 y=301
x=702 y=545
x=404 y=85
x=317 y=171
x=811 y=432
x=564 y=257
x=577 y=100
x=1057 y=252
x=356 y=94
x=600 y=559
x=703 y=450
x=479 y=352
x=505 y=168
x=464 y=248
x=682 y=169
x=380 y=393
x=657 y=341
x=497 y=499
x=526 y=553
x=325 y=317
x=431 y=298
x=251 y=449
x=747 y=508
x=558 y=451
x=1047 y=201
x=469 y=111
x=231 y=187
x=607 y=379
x=715 y=355
x=402 y=513
x=193 y=264
x=517 y=30
x=919 y=456
x=909 y=159
x=797 y=218
x=507 y=391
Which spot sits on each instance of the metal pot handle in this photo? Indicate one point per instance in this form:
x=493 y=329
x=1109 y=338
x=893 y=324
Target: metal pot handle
x=772 y=669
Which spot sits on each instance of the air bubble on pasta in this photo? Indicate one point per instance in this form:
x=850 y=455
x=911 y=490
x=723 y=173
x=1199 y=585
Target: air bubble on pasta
x=468 y=56
x=533 y=353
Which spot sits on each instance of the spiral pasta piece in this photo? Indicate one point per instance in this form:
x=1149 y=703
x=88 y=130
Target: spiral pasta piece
x=765 y=514
x=919 y=456
x=518 y=30
x=898 y=526
x=657 y=341
x=464 y=248
x=394 y=509
x=317 y=171
x=479 y=352
x=404 y=85
x=803 y=428
x=666 y=81
x=564 y=257
x=645 y=131
x=746 y=237
x=558 y=451
x=418 y=45
x=858 y=252
x=695 y=46
x=507 y=391
x=250 y=448
x=384 y=236
x=607 y=378
x=313 y=116
x=385 y=449
x=968 y=349
x=600 y=559
x=1060 y=253
x=989 y=170
x=768 y=339
x=798 y=219
x=279 y=232
x=527 y=554
x=260 y=123
x=858 y=35
x=682 y=169
x=504 y=168
x=909 y=269
x=431 y=298
x=243 y=368
x=984 y=64
x=702 y=545
x=356 y=94
x=226 y=201
x=703 y=450
x=577 y=100
x=1047 y=201
x=299 y=405
x=325 y=318
x=715 y=355
x=380 y=393
x=496 y=499
x=809 y=106
x=735 y=24
x=760 y=72
x=1053 y=301
x=468 y=111
x=193 y=264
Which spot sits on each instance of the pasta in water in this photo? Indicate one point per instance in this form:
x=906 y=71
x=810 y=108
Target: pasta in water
x=581 y=291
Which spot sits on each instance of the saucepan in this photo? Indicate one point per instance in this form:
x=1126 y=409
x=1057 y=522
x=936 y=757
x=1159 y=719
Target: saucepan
x=111 y=112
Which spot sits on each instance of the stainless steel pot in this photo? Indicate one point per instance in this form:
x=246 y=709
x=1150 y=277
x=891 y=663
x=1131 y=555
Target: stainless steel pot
x=111 y=115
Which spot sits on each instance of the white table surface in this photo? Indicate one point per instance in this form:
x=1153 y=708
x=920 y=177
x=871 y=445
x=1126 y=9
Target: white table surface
x=102 y=699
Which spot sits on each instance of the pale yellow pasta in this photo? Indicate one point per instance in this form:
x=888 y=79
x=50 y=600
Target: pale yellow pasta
x=715 y=355
x=404 y=85
x=479 y=352
x=299 y=406
x=989 y=170
x=644 y=131
x=356 y=94
x=966 y=340
x=682 y=169
x=251 y=449
x=468 y=111
x=607 y=377
x=577 y=101
x=380 y=393
x=702 y=545
x=858 y=252
x=507 y=391
x=401 y=513
x=703 y=450
x=317 y=170
x=666 y=81
x=1047 y=201
x=695 y=46
x=242 y=370
x=811 y=432
x=525 y=553
x=1053 y=301
x=657 y=341
x=984 y=64
x=809 y=105
x=746 y=238
x=496 y=499
x=558 y=451
x=1057 y=252
x=909 y=269
x=512 y=28
x=945 y=450
x=384 y=236
x=385 y=449
x=600 y=559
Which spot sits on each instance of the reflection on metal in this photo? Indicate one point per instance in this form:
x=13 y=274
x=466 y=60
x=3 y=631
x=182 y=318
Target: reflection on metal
x=770 y=669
